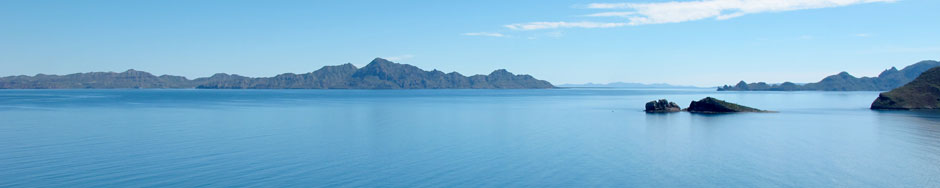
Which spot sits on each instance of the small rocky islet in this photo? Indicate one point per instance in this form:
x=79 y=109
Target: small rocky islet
x=707 y=105
x=713 y=105
x=662 y=106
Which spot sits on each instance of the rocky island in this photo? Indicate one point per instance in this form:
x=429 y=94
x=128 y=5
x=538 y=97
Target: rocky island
x=378 y=74
x=712 y=105
x=922 y=93
x=707 y=105
x=887 y=80
x=662 y=106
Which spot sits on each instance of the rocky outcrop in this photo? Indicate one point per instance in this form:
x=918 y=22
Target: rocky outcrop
x=378 y=74
x=922 y=93
x=712 y=105
x=887 y=80
x=662 y=106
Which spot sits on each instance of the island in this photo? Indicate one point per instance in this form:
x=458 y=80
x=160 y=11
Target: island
x=662 y=106
x=378 y=74
x=887 y=80
x=922 y=93
x=713 y=105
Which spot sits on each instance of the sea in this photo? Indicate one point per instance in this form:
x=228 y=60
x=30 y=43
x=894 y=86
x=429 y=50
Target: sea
x=570 y=137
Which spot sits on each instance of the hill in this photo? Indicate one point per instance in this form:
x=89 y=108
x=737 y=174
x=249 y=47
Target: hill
x=922 y=93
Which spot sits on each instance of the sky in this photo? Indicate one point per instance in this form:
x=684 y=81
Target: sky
x=682 y=42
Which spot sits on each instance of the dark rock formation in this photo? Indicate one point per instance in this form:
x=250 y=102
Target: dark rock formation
x=887 y=80
x=662 y=106
x=379 y=74
x=712 y=105
x=922 y=93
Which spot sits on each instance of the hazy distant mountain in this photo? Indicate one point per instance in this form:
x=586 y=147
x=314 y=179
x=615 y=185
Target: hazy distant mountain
x=922 y=93
x=887 y=80
x=379 y=74
x=106 y=80
x=625 y=85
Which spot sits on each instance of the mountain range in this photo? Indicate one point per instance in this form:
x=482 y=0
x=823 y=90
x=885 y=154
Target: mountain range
x=378 y=74
x=887 y=80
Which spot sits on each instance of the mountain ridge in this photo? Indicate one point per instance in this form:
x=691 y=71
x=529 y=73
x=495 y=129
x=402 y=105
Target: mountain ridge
x=378 y=74
x=843 y=81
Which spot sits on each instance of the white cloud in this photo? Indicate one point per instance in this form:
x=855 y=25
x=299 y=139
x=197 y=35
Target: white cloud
x=862 y=35
x=554 y=25
x=485 y=34
x=399 y=58
x=682 y=11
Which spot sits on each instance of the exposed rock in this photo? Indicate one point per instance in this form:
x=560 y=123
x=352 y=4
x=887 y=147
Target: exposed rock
x=379 y=74
x=922 y=93
x=662 y=106
x=887 y=80
x=712 y=105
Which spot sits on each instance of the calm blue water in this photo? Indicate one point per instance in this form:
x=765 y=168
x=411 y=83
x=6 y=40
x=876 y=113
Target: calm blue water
x=457 y=138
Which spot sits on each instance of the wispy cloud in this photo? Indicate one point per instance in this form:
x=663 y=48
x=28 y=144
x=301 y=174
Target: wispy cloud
x=553 y=25
x=485 y=34
x=683 y=11
x=862 y=35
x=401 y=57
x=676 y=11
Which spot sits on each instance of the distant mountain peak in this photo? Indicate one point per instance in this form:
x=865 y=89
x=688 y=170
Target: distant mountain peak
x=342 y=66
x=220 y=75
x=379 y=60
x=501 y=72
x=890 y=72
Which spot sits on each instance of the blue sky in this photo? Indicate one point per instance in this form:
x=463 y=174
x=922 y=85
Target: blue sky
x=704 y=43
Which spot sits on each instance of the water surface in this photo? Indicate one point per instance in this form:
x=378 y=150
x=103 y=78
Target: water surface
x=458 y=138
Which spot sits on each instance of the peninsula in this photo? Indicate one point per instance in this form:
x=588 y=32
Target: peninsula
x=922 y=93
